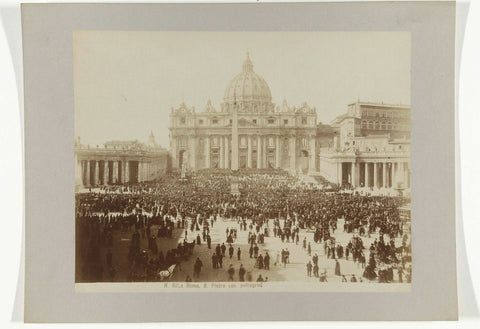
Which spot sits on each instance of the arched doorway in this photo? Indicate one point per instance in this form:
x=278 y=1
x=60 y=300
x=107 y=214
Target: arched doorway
x=304 y=161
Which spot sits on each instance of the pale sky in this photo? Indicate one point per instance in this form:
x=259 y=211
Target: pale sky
x=126 y=82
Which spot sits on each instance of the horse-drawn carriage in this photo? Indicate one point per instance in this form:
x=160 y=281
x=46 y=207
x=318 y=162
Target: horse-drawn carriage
x=184 y=250
x=174 y=257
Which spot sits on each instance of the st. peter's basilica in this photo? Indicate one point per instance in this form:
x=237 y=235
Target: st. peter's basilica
x=367 y=147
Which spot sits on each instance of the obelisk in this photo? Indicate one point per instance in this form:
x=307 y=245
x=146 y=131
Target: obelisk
x=235 y=139
x=234 y=181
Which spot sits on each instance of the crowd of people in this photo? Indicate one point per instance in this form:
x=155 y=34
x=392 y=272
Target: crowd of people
x=271 y=204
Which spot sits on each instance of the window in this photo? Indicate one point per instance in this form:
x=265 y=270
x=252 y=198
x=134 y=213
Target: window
x=304 y=142
x=243 y=142
x=364 y=124
x=182 y=141
x=182 y=121
x=377 y=125
x=285 y=122
x=384 y=126
x=231 y=121
x=270 y=142
x=271 y=121
x=200 y=121
x=370 y=124
x=254 y=121
x=215 y=121
x=389 y=126
x=304 y=121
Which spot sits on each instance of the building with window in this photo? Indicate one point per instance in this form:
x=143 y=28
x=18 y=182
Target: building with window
x=269 y=135
x=371 y=148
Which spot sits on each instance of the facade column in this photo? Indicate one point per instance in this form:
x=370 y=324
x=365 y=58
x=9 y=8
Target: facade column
x=277 y=152
x=353 y=174
x=311 y=167
x=105 y=172
x=115 y=172
x=207 y=152
x=259 y=151
x=366 y=175
x=339 y=173
x=375 y=175
x=173 y=145
x=193 y=152
x=82 y=171
x=293 y=153
x=384 y=178
x=249 y=151
x=394 y=174
x=222 y=152
x=140 y=171
x=227 y=152
x=97 y=172
x=88 y=180
x=145 y=171
x=122 y=178
x=264 y=152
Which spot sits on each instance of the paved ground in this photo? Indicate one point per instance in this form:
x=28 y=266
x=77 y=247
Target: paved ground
x=294 y=271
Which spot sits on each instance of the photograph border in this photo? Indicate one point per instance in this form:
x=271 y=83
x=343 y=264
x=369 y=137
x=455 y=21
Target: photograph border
x=49 y=139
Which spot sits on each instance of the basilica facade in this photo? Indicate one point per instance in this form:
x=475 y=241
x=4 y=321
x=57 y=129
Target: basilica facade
x=269 y=136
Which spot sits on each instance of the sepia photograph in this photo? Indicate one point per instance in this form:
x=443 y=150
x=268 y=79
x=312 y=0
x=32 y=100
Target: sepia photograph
x=256 y=160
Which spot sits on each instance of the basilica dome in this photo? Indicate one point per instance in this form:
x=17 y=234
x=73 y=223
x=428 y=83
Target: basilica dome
x=248 y=88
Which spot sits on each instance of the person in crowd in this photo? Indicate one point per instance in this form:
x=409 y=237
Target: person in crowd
x=266 y=261
x=309 y=268
x=197 y=268
x=231 y=272
x=241 y=273
x=337 y=268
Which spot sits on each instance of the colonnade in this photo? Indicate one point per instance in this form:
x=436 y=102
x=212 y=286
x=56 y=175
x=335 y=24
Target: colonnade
x=392 y=174
x=257 y=152
x=106 y=172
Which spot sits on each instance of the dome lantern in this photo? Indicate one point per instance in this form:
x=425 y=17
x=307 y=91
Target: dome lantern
x=247 y=64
